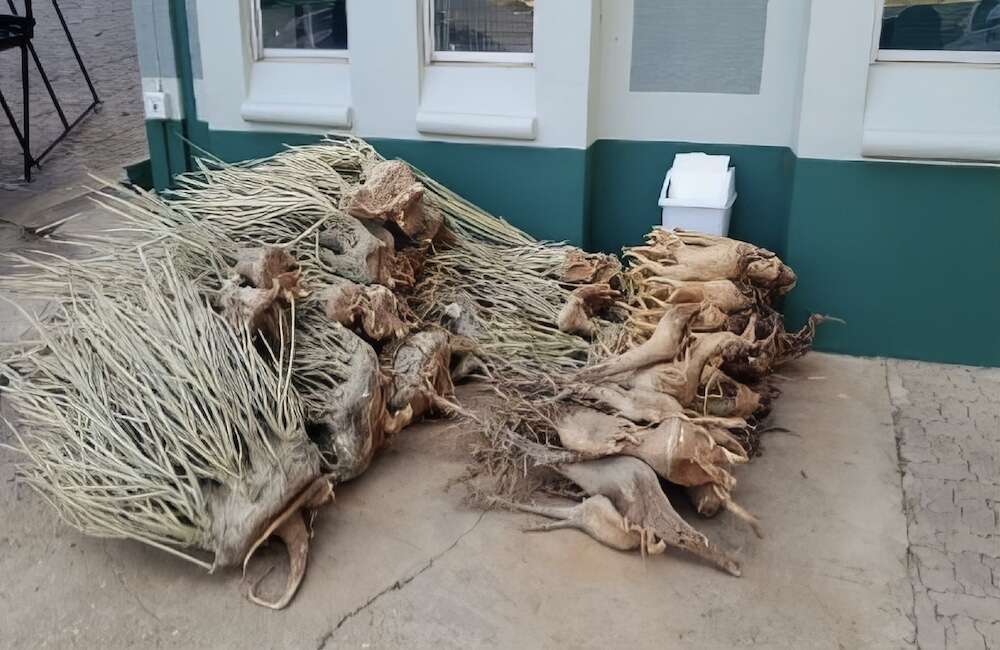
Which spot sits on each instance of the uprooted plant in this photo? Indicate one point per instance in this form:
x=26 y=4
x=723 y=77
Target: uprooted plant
x=280 y=320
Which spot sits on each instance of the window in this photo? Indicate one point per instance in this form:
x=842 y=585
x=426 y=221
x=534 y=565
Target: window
x=497 y=31
x=966 y=31
x=301 y=28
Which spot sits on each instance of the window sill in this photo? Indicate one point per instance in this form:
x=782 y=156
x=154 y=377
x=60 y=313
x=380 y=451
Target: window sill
x=980 y=147
x=477 y=125
x=333 y=116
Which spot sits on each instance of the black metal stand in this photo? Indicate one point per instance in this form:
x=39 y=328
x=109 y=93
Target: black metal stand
x=26 y=46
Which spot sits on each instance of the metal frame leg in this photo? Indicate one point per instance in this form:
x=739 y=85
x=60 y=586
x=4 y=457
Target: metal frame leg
x=12 y=120
x=26 y=149
x=76 y=52
x=23 y=137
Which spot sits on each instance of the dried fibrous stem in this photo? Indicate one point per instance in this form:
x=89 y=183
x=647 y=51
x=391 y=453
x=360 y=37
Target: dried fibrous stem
x=189 y=419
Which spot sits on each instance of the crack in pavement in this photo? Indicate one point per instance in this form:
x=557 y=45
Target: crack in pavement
x=396 y=586
x=120 y=577
x=895 y=411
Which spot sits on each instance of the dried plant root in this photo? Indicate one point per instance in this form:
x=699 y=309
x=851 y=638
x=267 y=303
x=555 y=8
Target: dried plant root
x=595 y=516
x=291 y=527
x=589 y=268
x=709 y=500
x=678 y=450
x=698 y=257
x=421 y=373
x=372 y=310
x=635 y=404
x=356 y=251
x=391 y=192
x=584 y=302
x=634 y=490
x=262 y=267
x=664 y=345
x=344 y=393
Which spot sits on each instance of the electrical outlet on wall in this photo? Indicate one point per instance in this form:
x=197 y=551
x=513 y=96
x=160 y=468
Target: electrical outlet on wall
x=156 y=105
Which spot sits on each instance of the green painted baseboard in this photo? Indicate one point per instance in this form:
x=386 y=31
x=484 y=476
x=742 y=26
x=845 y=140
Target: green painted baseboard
x=541 y=191
x=907 y=254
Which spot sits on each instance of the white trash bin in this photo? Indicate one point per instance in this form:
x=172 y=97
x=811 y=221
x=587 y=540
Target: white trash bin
x=709 y=215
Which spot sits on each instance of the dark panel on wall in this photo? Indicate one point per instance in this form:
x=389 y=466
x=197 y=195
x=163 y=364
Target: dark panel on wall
x=908 y=255
x=626 y=181
x=698 y=46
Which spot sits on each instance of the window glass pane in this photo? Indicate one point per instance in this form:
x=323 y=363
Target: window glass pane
x=941 y=25
x=304 y=24
x=484 y=25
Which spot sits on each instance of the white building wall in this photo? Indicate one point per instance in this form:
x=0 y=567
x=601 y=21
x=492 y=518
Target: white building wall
x=835 y=78
x=821 y=93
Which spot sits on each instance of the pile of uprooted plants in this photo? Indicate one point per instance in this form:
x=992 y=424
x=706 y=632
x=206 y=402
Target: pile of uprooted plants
x=251 y=339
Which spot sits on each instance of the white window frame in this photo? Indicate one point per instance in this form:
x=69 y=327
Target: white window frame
x=431 y=55
x=262 y=53
x=923 y=56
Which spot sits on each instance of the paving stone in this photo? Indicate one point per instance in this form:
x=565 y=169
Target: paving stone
x=960 y=542
x=961 y=634
x=913 y=453
x=975 y=577
x=947 y=426
x=930 y=627
x=980 y=518
x=939 y=496
x=935 y=569
x=955 y=471
x=954 y=411
x=991 y=634
x=976 y=491
x=976 y=607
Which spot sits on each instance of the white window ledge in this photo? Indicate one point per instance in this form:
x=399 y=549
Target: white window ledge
x=477 y=125
x=334 y=116
x=941 y=146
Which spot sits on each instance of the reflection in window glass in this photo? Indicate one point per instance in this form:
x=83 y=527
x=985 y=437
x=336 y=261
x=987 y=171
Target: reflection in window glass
x=304 y=24
x=484 y=25
x=941 y=25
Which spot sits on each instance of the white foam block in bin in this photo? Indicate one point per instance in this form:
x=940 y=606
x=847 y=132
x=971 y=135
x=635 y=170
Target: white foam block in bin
x=701 y=162
x=695 y=186
x=701 y=188
x=700 y=178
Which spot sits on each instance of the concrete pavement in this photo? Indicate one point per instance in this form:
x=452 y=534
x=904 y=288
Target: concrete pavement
x=398 y=561
x=879 y=502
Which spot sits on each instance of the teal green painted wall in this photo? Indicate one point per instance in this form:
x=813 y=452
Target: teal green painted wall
x=542 y=191
x=627 y=177
x=907 y=254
